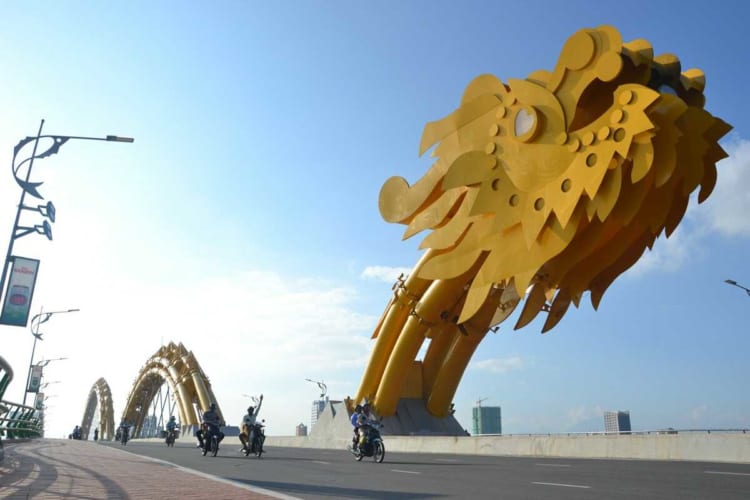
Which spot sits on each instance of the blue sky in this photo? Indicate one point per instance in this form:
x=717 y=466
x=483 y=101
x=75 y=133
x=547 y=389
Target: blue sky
x=244 y=222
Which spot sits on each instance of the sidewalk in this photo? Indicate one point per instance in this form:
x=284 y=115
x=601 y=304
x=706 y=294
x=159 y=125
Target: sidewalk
x=65 y=468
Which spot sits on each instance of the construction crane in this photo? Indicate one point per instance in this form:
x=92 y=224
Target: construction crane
x=479 y=402
x=321 y=386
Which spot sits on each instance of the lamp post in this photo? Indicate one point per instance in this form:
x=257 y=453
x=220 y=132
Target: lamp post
x=48 y=383
x=321 y=386
x=734 y=283
x=37 y=320
x=48 y=210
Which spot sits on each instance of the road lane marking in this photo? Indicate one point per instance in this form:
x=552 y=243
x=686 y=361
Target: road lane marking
x=553 y=465
x=320 y=462
x=561 y=484
x=727 y=473
x=446 y=460
x=405 y=471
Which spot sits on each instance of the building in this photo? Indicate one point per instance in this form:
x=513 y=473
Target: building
x=150 y=427
x=617 y=422
x=317 y=408
x=300 y=430
x=486 y=420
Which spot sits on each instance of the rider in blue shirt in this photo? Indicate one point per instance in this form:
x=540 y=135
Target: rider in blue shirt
x=355 y=424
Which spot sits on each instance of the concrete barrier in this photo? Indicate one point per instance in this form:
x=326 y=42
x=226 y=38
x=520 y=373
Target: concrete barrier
x=334 y=431
x=708 y=447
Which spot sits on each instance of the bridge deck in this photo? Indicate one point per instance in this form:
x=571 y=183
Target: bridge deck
x=60 y=468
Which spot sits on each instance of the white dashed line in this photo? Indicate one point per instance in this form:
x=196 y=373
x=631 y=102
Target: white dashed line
x=405 y=471
x=554 y=465
x=320 y=462
x=564 y=485
x=446 y=460
x=727 y=473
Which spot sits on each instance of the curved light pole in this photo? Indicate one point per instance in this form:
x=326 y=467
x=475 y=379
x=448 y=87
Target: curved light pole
x=734 y=283
x=37 y=320
x=323 y=388
x=48 y=210
x=48 y=383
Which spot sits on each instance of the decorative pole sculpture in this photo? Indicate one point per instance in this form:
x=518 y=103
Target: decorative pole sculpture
x=542 y=189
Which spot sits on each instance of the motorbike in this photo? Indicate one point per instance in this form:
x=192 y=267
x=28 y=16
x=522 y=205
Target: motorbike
x=171 y=436
x=370 y=443
x=256 y=445
x=210 y=440
x=124 y=431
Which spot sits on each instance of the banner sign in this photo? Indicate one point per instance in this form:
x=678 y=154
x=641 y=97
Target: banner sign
x=35 y=378
x=19 y=292
x=39 y=401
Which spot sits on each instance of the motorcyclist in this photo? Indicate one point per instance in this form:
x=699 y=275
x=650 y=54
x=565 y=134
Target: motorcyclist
x=123 y=429
x=248 y=425
x=355 y=424
x=364 y=419
x=213 y=421
x=77 y=432
x=171 y=425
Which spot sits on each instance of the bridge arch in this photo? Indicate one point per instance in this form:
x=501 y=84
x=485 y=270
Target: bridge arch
x=101 y=396
x=174 y=365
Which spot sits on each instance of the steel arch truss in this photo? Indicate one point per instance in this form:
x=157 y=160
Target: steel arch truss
x=176 y=366
x=100 y=396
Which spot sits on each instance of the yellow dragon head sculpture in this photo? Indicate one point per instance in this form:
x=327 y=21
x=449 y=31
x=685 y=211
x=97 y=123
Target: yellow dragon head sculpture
x=551 y=186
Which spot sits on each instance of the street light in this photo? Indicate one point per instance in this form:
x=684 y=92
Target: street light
x=37 y=320
x=734 y=283
x=45 y=362
x=48 y=210
x=321 y=386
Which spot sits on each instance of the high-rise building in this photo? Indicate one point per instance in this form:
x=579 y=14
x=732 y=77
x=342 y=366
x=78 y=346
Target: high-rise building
x=486 y=420
x=317 y=408
x=617 y=422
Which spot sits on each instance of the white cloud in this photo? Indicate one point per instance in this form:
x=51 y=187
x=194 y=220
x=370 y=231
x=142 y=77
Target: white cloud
x=252 y=332
x=384 y=273
x=725 y=211
x=499 y=365
x=582 y=414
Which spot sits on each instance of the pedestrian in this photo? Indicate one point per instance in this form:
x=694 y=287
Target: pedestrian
x=96 y=434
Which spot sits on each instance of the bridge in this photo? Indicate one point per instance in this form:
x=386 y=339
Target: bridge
x=149 y=469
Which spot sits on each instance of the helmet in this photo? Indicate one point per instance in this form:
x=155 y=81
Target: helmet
x=171 y=417
x=358 y=408
x=213 y=406
x=250 y=409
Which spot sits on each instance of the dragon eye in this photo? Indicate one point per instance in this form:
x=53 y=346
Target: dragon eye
x=525 y=123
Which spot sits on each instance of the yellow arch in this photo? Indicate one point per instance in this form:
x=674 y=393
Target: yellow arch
x=178 y=367
x=101 y=396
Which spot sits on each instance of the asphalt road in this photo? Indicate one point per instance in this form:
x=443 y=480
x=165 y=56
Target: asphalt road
x=330 y=474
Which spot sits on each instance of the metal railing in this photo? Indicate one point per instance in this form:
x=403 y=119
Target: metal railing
x=16 y=420
x=19 y=421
